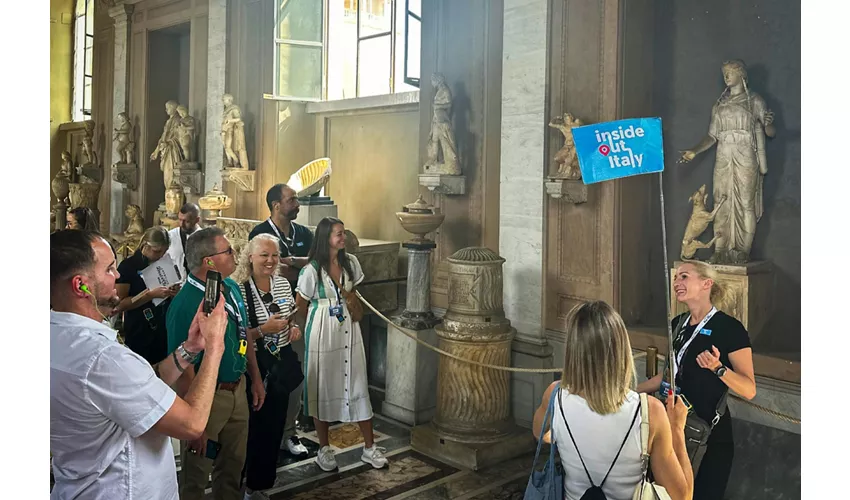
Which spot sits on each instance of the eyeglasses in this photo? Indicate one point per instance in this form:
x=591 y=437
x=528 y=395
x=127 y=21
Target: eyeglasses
x=229 y=251
x=268 y=300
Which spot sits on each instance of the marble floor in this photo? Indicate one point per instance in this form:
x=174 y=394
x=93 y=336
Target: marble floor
x=410 y=475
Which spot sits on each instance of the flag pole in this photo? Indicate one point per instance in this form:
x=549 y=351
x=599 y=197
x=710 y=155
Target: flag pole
x=670 y=375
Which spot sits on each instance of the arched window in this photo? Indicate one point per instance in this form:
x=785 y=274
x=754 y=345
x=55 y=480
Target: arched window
x=83 y=43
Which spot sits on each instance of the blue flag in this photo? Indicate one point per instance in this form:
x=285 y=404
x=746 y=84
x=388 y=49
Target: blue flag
x=617 y=149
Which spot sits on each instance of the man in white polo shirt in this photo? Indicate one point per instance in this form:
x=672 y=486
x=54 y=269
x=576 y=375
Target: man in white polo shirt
x=189 y=216
x=111 y=413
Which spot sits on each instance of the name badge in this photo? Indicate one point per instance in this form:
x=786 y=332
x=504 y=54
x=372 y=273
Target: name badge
x=705 y=331
x=299 y=244
x=335 y=311
x=148 y=314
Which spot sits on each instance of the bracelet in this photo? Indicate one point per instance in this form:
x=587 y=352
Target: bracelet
x=176 y=361
x=260 y=330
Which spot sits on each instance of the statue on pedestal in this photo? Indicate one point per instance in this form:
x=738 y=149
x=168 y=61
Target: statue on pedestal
x=173 y=200
x=566 y=157
x=442 y=151
x=233 y=135
x=740 y=120
x=60 y=182
x=123 y=139
x=168 y=147
x=125 y=244
x=89 y=154
x=186 y=126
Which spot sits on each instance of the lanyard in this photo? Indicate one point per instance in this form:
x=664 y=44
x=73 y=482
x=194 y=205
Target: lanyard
x=232 y=313
x=680 y=353
x=284 y=238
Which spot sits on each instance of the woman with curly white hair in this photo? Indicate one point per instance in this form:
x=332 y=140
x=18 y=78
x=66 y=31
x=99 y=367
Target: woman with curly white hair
x=269 y=301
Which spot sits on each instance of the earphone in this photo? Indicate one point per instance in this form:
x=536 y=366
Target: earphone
x=210 y=263
x=85 y=288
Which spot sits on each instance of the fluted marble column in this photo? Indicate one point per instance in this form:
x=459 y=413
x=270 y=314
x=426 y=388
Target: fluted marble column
x=216 y=76
x=120 y=15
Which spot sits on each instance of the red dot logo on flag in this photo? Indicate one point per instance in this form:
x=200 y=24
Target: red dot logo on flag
x=604 y=149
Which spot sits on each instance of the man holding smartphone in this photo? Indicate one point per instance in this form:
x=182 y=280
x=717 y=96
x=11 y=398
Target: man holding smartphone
x=111 y=413
x=226 y=434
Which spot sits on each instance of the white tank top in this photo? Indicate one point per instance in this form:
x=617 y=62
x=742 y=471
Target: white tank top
x=598 y=437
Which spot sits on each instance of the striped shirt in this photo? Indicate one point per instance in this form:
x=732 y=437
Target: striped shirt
x=282 y=296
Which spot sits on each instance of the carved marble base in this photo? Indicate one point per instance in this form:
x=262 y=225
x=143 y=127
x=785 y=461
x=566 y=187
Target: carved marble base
x=411 y=377
x=189 y=175
x=427 y=440
x=236 y=231
x=127 y=174
x=573 y=191
x=244 y=179
x=83 y=195
x=443 y=184
x=91 y=171
x=379 y=261
x=749 y=297
x=60 y=216
x=310 y=215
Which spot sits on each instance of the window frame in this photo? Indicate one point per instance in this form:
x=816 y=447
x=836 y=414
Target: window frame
x=80 y=70
x=324 y=45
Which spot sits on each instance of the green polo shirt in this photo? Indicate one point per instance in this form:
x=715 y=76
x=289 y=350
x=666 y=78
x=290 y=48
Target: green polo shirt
x=182 y=311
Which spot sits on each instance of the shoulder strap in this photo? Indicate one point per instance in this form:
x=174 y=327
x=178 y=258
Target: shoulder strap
x=546 y=419
x=644 y=428
x=249 y=303
x=721 y=408
x=561 y=407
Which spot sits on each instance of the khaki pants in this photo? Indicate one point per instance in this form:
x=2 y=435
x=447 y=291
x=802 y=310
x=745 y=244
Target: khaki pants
x=295 y=396
x=228 y=425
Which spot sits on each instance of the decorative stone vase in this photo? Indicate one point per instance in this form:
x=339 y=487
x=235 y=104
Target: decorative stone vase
x=84 y=195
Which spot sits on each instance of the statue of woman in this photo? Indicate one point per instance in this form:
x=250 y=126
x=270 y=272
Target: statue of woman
x=739 y=122
x=442 y=137
x=167 y=148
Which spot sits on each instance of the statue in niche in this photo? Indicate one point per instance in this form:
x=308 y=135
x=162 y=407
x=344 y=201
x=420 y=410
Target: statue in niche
x=698 y=223
x=566 y=158
x=136 y=224
x=442 y=151
x=740 y=120
x=168 y=147
x=233 y=135
x=88 y=152
x=186 y=126
x=60 y=182
x=123 y=139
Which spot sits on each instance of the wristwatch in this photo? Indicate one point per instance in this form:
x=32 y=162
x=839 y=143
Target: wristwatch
x=720 y=371
x=187 y=356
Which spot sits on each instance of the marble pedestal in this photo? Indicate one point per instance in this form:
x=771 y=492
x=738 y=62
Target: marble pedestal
x=412 y=368
x=750 y=293
x=411 y=387
x=314 y=209
x=60 y=214
x=189 y=175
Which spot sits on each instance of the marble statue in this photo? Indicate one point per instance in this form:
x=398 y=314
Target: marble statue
x=173 y=200
x=136 y=224
x=442 y=150
x=740 y=120
x=566 y=157
x=123 y=139
x=89 y=154
x=60 y=182
x=698 y=223
x=168 y=147
x=186 y=135
x=233 y=135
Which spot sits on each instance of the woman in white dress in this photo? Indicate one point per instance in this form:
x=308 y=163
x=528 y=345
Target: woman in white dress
x=335 y=384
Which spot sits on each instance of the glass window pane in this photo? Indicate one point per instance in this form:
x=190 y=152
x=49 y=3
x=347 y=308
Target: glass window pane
x=300 y=71
x=342 y=49
x=414 y=47
x=87 y=95
x=300 y=20
x=374 y=69
x=375 y=17
x=90 y=18
x=80 y=8
x=415 y=6
x=89 y=62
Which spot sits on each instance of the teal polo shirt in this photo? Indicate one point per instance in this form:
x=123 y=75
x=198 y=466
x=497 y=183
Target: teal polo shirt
x=182 y=311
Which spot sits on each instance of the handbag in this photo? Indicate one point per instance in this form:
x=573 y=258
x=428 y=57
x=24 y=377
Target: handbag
x=646 y=490
x=282 y=371
x=546 y=484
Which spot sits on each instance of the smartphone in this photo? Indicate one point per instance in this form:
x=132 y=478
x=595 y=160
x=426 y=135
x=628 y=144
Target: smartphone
x=212 y=449
x=212 y=291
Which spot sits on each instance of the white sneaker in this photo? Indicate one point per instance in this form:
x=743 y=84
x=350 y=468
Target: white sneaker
x=374 y=456
x=325 y=459
x=256 y=495
x=294 y=447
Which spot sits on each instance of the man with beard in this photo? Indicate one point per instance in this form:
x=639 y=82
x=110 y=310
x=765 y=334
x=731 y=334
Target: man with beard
x=189 y=216
x=111 y=413
x=295 y=243
x=295 y=239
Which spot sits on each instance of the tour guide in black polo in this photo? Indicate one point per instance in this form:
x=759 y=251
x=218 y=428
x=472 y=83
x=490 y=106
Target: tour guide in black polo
x=295 y=239
x=208 y=249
